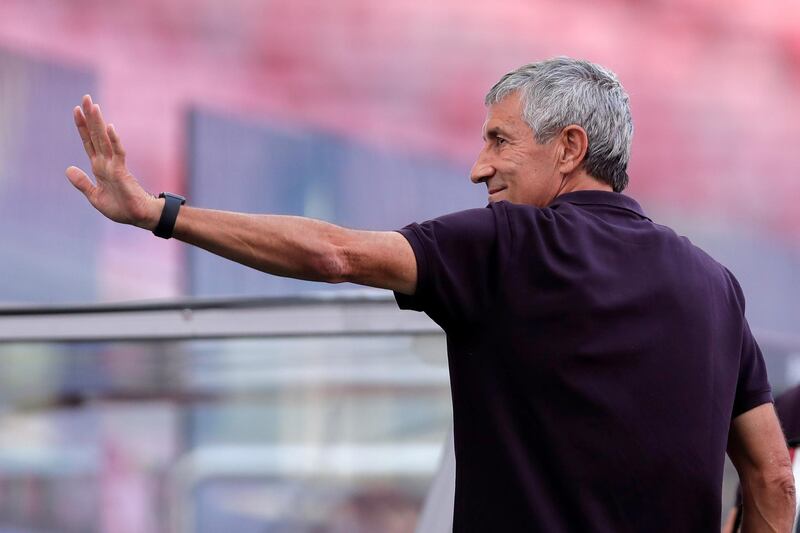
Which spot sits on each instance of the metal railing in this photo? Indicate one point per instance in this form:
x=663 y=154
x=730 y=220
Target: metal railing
x=362 y=313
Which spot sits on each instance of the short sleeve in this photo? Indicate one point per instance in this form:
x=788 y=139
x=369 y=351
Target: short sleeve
x=459 y=260
x=752 y=387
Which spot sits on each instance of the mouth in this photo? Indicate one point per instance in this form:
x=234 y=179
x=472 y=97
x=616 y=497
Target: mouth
x=495 y=190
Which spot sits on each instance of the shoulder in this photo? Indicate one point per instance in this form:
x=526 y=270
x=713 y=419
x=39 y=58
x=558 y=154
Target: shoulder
x=493 y=221
x=708 y=267
x=475 y=217
x=459 y=233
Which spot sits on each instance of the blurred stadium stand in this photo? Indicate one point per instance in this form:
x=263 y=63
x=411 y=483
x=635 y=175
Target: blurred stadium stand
x=363 y=113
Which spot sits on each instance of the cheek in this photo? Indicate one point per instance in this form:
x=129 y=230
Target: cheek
x=516 y=159
x=524 y=164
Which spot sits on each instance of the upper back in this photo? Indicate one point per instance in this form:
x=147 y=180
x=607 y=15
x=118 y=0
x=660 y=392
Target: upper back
x=596 y=361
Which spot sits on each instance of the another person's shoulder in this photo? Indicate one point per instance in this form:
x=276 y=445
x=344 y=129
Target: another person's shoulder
x=788 y=407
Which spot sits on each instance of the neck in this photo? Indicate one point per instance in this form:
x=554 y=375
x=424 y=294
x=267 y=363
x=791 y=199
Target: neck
x=580 y=181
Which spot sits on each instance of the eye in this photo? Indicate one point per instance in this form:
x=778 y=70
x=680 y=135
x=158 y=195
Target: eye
x=500 y=141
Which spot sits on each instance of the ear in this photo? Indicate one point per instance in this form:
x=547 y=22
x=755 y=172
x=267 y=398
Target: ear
x=573 y=144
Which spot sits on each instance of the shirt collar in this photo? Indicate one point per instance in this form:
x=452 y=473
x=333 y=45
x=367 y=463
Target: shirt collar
x=607 y=198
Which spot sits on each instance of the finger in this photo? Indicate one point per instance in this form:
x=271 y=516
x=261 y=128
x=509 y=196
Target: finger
x=86 y=108
x=83 y=131
x=97 y=131
x=102 y=134
x=116 y=144
x=81 y=181
x=86 y=104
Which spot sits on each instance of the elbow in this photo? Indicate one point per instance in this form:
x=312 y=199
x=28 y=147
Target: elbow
x=776 y=485
x=333 y=265
x=768 y=506
x=785 y=487
x=783 y=490
x=781 y=479
x=779 y=482
x=339 y=258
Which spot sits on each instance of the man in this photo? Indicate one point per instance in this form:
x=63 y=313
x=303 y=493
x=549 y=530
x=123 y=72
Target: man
x=599 y=363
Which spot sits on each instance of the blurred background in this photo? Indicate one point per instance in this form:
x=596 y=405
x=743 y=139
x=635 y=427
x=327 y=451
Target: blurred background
x=366 y=114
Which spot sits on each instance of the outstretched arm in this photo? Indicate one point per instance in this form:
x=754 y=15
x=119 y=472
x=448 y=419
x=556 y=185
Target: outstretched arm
x=757 y=448
x=295 y=247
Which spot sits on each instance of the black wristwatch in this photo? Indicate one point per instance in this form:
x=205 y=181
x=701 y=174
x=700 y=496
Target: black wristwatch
x=172 y=204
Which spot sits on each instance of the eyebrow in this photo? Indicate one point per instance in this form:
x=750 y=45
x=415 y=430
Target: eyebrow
x=493 y=133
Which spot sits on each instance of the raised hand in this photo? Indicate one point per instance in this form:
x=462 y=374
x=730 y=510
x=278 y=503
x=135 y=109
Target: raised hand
x=116 y=194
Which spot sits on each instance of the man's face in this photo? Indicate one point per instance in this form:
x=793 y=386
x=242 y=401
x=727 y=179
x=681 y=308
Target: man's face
x=511 y=163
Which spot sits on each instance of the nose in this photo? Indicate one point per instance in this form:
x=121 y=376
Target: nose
x=482 y=170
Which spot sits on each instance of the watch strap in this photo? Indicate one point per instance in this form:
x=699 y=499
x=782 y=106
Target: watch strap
x=166 y=224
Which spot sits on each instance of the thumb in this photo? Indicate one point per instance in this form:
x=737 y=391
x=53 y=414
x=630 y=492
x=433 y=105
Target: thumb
x=80 y=180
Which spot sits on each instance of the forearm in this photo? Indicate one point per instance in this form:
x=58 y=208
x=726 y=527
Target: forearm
x=294 y=247
x=287 y=246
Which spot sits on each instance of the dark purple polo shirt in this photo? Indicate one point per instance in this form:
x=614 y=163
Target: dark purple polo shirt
x=596 y=360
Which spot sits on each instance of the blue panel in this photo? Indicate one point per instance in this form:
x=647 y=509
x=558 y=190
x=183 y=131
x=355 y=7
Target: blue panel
x=262 y=169
x=48 y=235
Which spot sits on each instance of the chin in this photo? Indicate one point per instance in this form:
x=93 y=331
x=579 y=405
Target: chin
x=498 y=196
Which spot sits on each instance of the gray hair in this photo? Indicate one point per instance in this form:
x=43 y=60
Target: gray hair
x=562 y=91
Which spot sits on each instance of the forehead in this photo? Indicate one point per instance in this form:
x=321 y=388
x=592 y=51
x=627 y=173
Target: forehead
x=506 y=115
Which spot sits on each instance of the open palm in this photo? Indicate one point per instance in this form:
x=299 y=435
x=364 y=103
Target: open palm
x=116 y=193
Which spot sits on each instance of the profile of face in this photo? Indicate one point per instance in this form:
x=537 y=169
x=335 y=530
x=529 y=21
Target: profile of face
x=511 y=163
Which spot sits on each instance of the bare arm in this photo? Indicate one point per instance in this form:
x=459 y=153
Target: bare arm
x=302 y=248
x=287 y=246
x=757 y=447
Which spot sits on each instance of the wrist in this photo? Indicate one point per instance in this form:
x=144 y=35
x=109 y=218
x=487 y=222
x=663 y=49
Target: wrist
x=154 y=206
x=169 y=214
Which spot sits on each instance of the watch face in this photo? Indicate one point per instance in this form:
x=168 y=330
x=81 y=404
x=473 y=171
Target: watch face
x=172 y=195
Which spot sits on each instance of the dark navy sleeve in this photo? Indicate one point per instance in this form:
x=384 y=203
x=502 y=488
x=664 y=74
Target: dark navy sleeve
x=459 y=259
x=752 y=387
